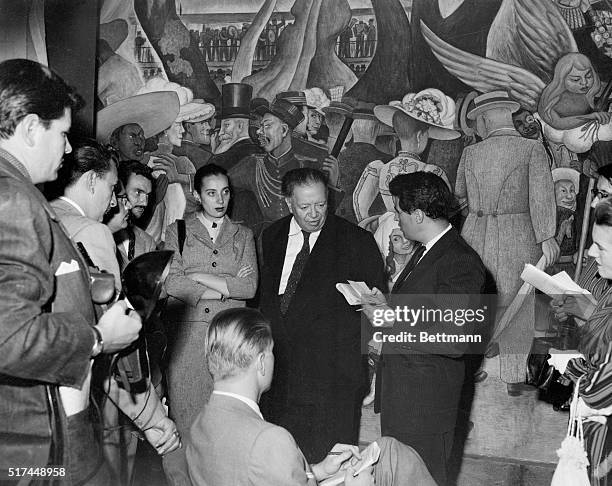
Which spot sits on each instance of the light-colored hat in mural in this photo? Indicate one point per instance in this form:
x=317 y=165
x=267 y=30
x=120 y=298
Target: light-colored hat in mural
x=490 y=101
x=154 y=112
x=567 y=174
x=430 y=106
x=191 y=110
x=317 y=99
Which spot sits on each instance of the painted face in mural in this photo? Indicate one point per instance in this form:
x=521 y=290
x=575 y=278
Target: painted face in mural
x=199 y=132
x=231 y=130
x=399 y=243
x=272 y=132
x=565 y=194
x=315 y=119
x=131 y=142
x=526 y=125
x=175 y=134
x=579 y=81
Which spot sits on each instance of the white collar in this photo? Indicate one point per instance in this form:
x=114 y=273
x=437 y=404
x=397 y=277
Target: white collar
x=73 y=204
x=294 y=228
x=435 y=239
x=208 y=224
x=243 y=399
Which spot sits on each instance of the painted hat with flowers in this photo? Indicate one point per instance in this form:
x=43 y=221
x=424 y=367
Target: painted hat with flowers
x=430 y=106
x=317 y=99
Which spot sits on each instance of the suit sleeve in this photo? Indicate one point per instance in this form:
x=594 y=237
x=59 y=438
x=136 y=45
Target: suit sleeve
x=35 y=344
x=244 y=288
x=275 y=460
x=177 y=284
x=100 y=245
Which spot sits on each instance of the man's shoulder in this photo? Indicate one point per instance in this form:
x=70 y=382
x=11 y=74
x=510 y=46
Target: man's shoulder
x=273 y=231
x=347 y=230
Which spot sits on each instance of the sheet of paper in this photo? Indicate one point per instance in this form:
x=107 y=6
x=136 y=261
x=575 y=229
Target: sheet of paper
x=555 y=285
x=369 y=457
x=352 y=291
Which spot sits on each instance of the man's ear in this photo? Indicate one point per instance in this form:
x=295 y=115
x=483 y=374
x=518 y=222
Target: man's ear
x=91 y=178
x=28 y=128
x=419 y=216
x=261 y=364
x=285 y=130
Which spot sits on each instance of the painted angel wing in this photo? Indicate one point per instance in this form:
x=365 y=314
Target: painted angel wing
x=531 y=34
x=485 y=74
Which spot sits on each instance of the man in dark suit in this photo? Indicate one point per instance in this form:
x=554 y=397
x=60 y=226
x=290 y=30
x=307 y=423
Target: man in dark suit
x=419 y=383
x=321 y=373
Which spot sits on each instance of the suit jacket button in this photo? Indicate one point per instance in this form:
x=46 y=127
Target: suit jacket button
x=207 y=310
x=480 y=214
x=495 y=214
x=214 y=264
x=215 y=252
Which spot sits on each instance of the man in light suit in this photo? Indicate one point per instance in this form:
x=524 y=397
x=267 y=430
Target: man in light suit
x=419 y=383
x=231 y=443
x=321 y=374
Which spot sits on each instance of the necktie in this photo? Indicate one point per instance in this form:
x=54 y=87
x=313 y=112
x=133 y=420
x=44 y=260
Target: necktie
x=131 y=243
x=410 y=266
x=296 y=273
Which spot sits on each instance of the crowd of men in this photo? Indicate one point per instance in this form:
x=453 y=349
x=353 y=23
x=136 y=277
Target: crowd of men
x=308 y=195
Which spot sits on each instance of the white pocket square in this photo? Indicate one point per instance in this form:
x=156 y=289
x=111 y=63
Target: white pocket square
x=65 y=268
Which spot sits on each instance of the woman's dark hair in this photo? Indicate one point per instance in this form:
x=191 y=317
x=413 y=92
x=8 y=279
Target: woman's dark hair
x=205 y=171
x=27 y=87
x=425 y=191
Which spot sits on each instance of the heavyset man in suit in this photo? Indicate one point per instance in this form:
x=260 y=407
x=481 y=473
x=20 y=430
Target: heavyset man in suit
x=321 y=374
x=419 y=384
x=231 y=443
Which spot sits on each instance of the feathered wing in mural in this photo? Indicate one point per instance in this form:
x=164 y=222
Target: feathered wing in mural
x=531 y=54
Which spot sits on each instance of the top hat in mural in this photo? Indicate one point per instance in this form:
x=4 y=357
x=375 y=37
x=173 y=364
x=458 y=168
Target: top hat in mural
x=344 y=107
x=430 y=106
x=236 y=100
x=490 y=101
x=298 y=98
x=287 y=112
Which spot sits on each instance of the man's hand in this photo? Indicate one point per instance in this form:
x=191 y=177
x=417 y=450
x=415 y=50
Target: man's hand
x=567 y=305
x=335 y=460
x=163 y=436
x=365 y=478
x=118 y=330
x=166 y=163
x=551 y=251
x=332 y=169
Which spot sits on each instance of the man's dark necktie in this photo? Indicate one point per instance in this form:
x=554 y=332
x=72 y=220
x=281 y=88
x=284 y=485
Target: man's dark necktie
x=410 y=266
x=131 y=243
x=296 y=273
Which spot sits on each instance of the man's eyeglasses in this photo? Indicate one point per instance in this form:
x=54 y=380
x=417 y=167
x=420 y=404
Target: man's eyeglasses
x=121 y=198
x=600 y=194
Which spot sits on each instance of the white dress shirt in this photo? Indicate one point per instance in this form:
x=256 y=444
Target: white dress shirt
x=294 y=245
x=213 y=227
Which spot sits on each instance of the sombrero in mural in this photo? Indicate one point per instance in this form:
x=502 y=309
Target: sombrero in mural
x=154 y=112
x=430 y=106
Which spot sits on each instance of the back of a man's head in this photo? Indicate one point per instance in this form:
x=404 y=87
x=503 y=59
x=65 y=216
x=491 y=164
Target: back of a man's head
x=233 y=341
x=27 y=87
x=85 y=157
x=425 y=191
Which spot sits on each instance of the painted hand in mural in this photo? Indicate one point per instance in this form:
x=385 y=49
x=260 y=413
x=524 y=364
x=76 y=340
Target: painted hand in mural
x=331 y=168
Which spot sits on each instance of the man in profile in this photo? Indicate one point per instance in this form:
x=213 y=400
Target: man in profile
x=48 y=330
x=231 y=443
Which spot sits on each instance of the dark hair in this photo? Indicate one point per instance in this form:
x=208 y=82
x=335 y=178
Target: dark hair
x=89 y=155
x=129 y=167
x=205 y=171
x=605 y=171
x=234 y=339
x=301 y=177
x=603 y=213
x=27 y=87
x=425 y=191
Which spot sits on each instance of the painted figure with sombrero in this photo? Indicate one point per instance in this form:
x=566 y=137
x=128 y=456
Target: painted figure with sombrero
x=506 y=184
x=262 y=173
x=234 y=143
x=415 y=119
